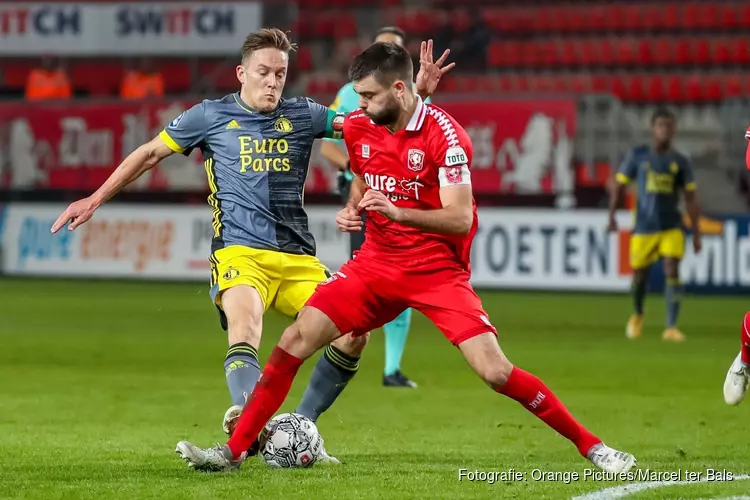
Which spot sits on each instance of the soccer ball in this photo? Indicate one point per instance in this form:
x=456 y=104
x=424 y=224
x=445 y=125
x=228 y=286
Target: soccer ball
x=290 y=440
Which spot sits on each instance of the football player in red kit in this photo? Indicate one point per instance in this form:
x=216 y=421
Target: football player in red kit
x=738 y=376
x=411 y=161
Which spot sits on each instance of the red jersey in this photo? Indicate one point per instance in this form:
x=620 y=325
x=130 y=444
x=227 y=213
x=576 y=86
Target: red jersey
x=410 y=167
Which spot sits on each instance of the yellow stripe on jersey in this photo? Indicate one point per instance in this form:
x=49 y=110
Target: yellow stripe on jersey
x=164 y=136
x=690 y=186
x=212 y=200
x=622 y=178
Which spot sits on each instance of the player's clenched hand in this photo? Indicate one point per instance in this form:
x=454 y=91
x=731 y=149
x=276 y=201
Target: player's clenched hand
x=378 y=202
x=348 y=220
x=430 y=72
x=77 y=213
x=612 y=225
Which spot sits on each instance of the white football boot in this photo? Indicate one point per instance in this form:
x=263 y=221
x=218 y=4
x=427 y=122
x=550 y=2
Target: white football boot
x=735 y=385
x=216 y=459
x=324 y=457
x=610 y=460
x=230 y=419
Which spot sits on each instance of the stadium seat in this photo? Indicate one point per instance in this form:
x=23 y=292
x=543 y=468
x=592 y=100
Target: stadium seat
x=15 y=73
x=733 y=85
x=739 y=50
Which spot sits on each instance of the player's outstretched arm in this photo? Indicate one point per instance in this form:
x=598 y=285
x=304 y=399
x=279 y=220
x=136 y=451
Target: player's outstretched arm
x=455 y=218
x=139 y=161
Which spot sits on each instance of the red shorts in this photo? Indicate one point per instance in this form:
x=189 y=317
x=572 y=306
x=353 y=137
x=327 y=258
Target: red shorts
x=367 y=293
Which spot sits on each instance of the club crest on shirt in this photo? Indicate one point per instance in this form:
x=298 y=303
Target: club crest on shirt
x=453 y=174
x=415 y=160
x=283 y=125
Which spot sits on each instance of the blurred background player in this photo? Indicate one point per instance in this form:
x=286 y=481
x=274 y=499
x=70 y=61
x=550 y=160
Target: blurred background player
x=396 y=332
x=660 y=174
x=738 y=376
x=417 y=253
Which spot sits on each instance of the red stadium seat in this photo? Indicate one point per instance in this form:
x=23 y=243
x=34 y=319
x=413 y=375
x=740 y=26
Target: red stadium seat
x=702 y=51
x=651 y=17
x=601 y=83
x=589 y=51
x=96 y=77
x=625 y=53
x=671 y=16
x=662 y=51
x=597 y=17
x=729 y=15
x=675 y=88
x=739 y=50
x=733 y=85
x=713 y=88
x=568 y=52
x=644 y=51
x=15 y=73
x=745 y=16
x=690 y=15
x=634 y=90
x=708 y=15
x=722 y=52
x=632 y=18
x=177 y=78
x=694 y=88
x=683 y=52
x=655 y=88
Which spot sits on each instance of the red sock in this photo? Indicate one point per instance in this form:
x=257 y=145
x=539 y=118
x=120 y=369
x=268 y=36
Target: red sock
x=268 y=395
x=542 y=402
x=745 y=343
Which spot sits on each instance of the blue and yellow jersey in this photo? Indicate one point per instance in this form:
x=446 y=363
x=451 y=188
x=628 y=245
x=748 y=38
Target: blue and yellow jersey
x=660 y=179
x=256 y=165
x=347 y=100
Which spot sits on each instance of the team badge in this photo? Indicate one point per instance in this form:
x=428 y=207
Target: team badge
x=231 y=274
x=176 y=121
x=415 y=160
x=453 y=174
x=673 y=167
x=365 y=150
x=283 y=126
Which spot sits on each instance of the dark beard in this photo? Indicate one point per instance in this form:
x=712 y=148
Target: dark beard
x=388 y=116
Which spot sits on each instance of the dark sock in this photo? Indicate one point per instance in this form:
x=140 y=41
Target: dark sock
x=639 y=294
x=332 y=372
x=242 y=370
x=673 y=296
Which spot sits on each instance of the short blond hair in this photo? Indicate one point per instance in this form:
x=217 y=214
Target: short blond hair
x=267 y=38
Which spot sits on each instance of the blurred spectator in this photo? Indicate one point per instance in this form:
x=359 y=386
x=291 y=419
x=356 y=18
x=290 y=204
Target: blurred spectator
x=143 y=82
x=49 y=81
x=476 y=42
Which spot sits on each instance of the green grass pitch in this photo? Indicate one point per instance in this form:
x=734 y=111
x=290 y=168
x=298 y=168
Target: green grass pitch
x=99 y=380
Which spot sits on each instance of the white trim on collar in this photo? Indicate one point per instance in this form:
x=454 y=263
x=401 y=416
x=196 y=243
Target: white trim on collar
x=417 y=119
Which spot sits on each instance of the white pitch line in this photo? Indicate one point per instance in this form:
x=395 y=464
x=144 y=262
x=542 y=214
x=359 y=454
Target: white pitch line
x=629 y=489
x=741 y=497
